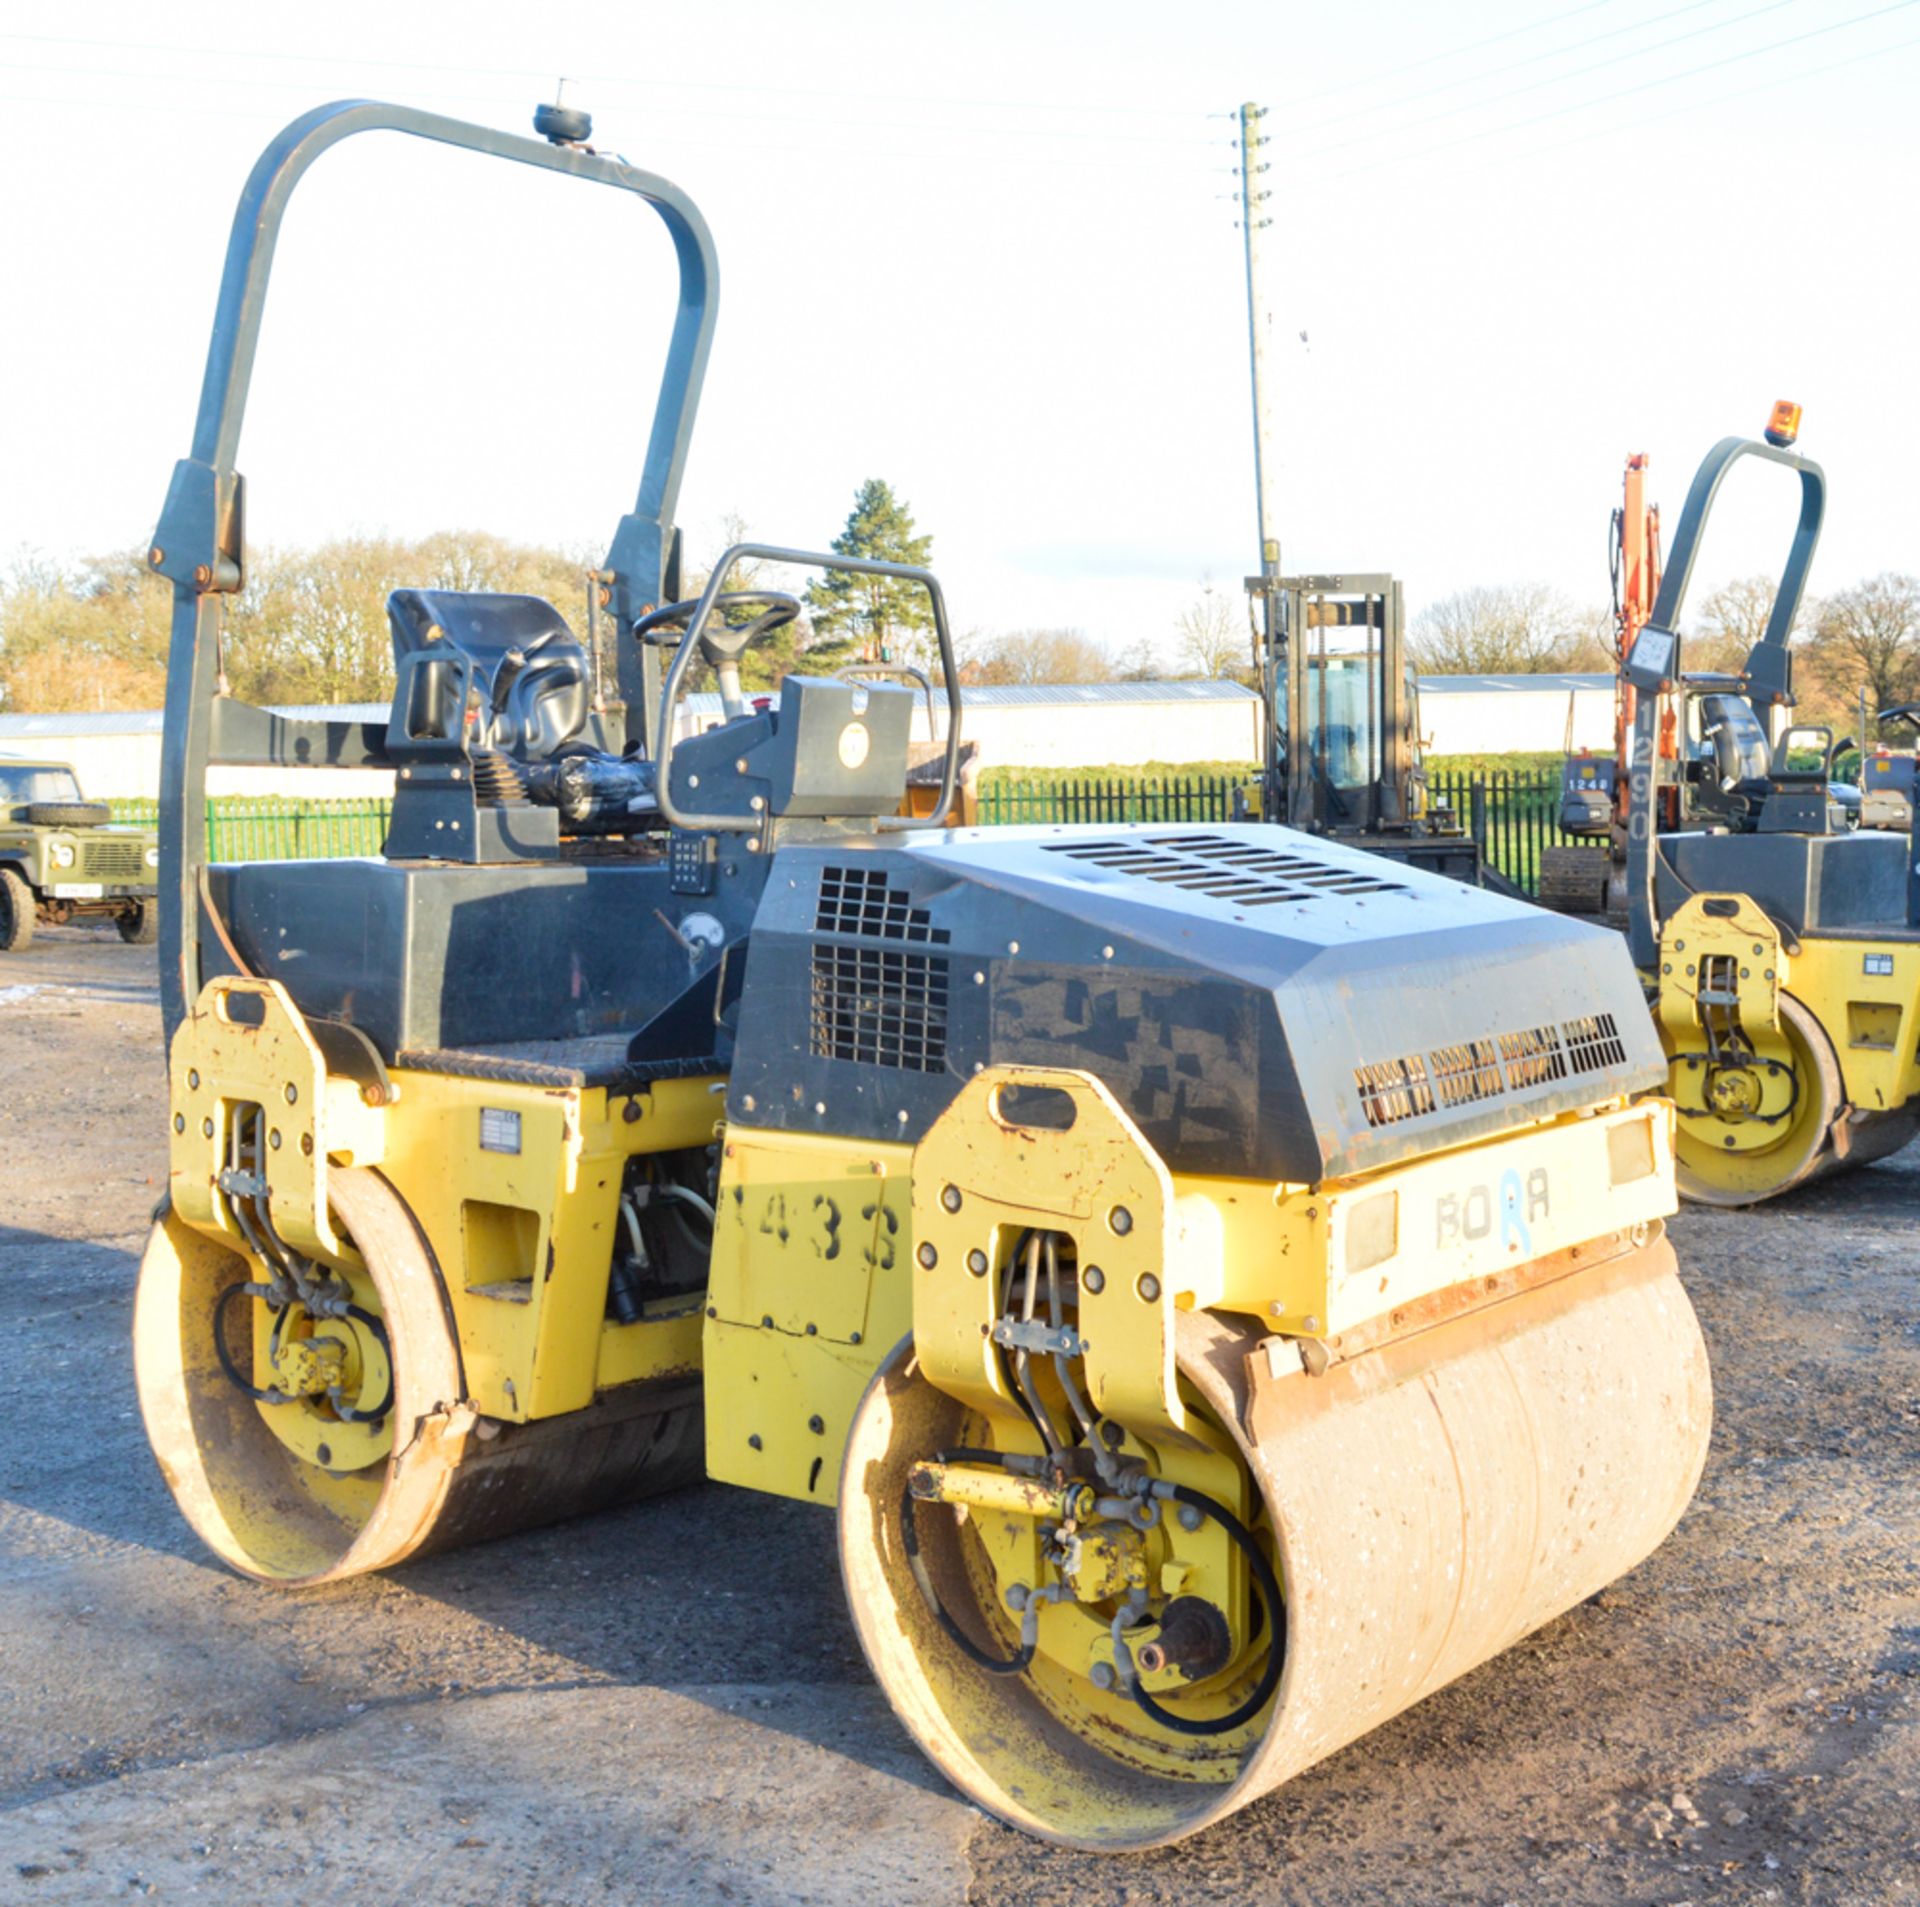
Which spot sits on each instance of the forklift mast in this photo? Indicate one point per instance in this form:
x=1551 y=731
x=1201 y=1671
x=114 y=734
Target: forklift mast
x=1342 y=748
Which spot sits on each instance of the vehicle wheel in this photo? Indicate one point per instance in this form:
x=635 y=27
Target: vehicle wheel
x=16 y=912
x=69 y=814
x=140 y=924
x=1710 y=1170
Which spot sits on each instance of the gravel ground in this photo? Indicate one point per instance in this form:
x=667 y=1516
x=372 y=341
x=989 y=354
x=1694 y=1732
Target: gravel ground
x=585 y=1714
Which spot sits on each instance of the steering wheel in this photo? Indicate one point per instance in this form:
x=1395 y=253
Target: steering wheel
x=721 y=642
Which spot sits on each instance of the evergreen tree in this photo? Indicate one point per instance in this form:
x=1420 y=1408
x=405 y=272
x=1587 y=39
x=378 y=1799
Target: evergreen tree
x=872 y=618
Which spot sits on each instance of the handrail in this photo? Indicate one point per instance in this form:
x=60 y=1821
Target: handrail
x=689 y=647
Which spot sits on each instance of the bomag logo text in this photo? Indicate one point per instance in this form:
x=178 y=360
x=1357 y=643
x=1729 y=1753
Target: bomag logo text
x=1512 y=1203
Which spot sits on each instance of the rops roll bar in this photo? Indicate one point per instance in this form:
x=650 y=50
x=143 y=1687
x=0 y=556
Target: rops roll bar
x=1654 y=664
x=199 y=544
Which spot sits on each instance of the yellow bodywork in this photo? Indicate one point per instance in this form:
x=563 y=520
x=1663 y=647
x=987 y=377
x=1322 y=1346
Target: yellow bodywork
x=809 y=1289
x=1864 y=994
x=829 y=1251
x=516 y=1188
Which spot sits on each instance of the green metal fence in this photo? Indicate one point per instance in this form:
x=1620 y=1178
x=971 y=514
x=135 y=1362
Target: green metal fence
x=1513 y=815
x=250 y=829
x=1114 y=798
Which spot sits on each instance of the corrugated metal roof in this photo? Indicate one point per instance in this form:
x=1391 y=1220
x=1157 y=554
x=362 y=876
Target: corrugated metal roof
x=1511 y=684
x=25 y=728
x=1065 y=695
x=19 y=728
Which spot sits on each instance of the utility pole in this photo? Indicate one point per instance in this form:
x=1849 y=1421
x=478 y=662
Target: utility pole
x=1253 y=199
x=1266 y=585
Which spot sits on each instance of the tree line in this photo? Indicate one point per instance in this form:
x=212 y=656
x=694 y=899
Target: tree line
x=1865 y=635
x=311 y=626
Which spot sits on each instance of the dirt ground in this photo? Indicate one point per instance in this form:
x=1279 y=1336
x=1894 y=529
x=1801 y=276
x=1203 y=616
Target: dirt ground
x=591 y=1714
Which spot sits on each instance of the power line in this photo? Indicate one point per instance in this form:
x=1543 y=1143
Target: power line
x=1799 y=76
x=540 y=77
x=671 y=137
x=702 y=112
x=1446 y=53
x=1555 y=79
x=1624 y=92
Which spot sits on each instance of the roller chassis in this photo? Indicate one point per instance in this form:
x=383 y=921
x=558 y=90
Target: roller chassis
x=1131 y=1233
x=1781 y=952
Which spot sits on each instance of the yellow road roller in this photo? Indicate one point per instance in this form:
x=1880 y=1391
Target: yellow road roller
x=1217 y=1277
x=1781 y=948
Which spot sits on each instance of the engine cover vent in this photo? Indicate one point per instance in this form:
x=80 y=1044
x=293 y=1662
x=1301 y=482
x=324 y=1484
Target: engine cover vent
x=878 y=1007
x=1594 y=1043
x=1416 y=1083
x=857 y=900
x=1241 y=872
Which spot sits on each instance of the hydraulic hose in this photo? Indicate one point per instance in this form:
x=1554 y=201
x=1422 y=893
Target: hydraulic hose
x=1269 y=1588
x=259 y=1396
x=350 y=1414
x=1015 y=1664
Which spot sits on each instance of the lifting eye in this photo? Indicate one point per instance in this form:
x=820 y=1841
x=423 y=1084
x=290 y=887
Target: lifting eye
x=1039 y=1108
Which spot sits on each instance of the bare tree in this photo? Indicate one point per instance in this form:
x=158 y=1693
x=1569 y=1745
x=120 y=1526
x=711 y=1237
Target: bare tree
x=1029 y=656
x=1509 y=628
x=1869 y=632
x=1211 y=633
x=1143 y=662
x=90 y=635
x=1731 y=621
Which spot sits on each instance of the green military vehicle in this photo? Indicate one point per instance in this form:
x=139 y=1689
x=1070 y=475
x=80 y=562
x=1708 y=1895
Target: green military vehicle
x=61 y=859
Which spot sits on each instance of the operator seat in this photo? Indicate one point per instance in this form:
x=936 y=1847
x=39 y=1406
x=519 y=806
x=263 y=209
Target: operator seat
x=1737 y=786
x=529 y=672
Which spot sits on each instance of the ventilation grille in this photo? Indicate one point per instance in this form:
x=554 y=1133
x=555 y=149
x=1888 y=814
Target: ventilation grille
x=877 y=1006
x=1225 y=869
x=1395 y=1089
x=1417 y=1083
x=109 y=857
x=1594 y=1042
x=1466 y=1073
x=880 y=1008
x=857 y=900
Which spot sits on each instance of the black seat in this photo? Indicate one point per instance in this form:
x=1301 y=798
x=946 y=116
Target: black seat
x=530 y=673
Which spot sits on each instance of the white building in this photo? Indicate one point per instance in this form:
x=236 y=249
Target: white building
x=117 y=755
x=1515 y=714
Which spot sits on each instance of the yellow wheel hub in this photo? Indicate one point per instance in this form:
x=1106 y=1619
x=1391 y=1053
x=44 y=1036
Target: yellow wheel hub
x=1752 y=1126
x=313 y=1360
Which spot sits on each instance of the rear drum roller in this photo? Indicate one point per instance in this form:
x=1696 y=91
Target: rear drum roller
x=1424 y=1507
x=388 y=1461
x=1712 y=1168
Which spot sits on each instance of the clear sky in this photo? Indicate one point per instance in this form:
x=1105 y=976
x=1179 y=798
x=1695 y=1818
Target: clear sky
x=988 y=252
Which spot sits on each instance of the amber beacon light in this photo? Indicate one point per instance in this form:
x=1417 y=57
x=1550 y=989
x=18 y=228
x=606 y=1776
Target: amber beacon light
x=1784 y=425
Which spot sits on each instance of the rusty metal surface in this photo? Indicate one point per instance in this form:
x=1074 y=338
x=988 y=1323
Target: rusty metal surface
x=1433 y=1501
x=453 y=1477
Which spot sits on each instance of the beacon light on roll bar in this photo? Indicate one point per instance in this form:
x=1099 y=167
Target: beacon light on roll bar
x=1784 y=425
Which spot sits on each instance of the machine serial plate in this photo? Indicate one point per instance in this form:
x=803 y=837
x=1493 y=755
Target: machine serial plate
x=499 y=1129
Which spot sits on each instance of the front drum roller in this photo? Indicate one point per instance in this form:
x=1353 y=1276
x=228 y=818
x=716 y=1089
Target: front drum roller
x=1427 y=1505
x=1709 y=1170
x=433 y=1476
